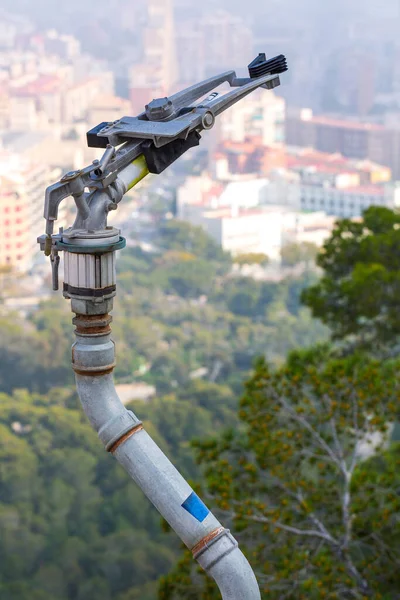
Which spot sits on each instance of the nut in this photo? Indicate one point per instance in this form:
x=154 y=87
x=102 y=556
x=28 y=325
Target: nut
x=159 y=109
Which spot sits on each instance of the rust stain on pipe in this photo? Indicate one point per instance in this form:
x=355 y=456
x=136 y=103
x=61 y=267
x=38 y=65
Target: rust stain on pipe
x=105 y=371
x=92 y=371
x=92 y=324
x=125 y=437
x=205 y=541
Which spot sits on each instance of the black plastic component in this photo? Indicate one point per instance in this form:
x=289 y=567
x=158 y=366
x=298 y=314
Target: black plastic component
x=89 y=292
x=93 y=140
x=158 y=159
x=261 y=66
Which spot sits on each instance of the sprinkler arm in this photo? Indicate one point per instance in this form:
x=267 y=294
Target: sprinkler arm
x=157 y=137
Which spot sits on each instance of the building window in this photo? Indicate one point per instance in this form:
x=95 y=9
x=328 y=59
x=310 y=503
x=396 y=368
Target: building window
x=19 y=256
x=6 y=209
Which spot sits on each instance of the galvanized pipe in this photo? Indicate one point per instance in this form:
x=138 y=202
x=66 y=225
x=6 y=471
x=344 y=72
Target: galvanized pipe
x=123 y=435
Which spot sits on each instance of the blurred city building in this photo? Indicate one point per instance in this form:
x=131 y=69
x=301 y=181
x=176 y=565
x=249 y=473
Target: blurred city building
x=274 y=172
x=244 y=215
x=49 y=92
x=23 y=180
x=228 y=42
x=257 y=197
x=156 y=73
x=352 y=138
x=260 y=114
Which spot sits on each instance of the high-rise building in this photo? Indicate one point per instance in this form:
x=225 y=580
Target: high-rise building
x=159 y=40
x=64 y=46
x=156 y=73
x=260 y=114
x=350 y=81
x=353 y=139
x=190 y=44
x=23 y=180
x=228 y=42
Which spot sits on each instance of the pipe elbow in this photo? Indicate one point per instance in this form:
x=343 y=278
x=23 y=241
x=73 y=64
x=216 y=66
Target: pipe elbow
x=105 y=411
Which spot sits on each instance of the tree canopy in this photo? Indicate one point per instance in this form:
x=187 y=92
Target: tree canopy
x=317 y=516
x=359 y=293
x=69 y=516
x=294 y=253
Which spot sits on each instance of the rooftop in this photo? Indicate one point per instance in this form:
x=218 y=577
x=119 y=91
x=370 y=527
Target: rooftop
x=345 y=124
x=231 y=213
x=372 y=190
x=45 y=84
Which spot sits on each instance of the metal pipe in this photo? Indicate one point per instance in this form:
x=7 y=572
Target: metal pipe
x=133 y=173
x=123 y=435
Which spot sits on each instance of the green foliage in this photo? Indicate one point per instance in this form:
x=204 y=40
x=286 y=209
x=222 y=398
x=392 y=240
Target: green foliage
x=178 y=310
x=317 y=519
x=252 y=258
x=359 y=293
x=72 y=524
x=179 y=235
x=189 y=279
x=35 y=357
x=293 y=254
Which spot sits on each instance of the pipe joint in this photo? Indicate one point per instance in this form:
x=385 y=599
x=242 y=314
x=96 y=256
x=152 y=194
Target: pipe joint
x=93 y=359
x=212 y=551
x=116 y=428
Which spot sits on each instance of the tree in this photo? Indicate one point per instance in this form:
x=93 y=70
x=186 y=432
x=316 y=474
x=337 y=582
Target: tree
x=72 y=523
x=252 y=258
x=359 y=293
x=190 y=278
x=293 y=254
x=179 y=235
x=317 y=518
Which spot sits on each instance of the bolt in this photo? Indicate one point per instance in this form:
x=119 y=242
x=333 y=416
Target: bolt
x=159 y=109
x=208 y=120
x=70 y=175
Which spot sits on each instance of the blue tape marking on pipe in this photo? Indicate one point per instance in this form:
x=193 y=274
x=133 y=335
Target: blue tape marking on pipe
x=196 y=507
